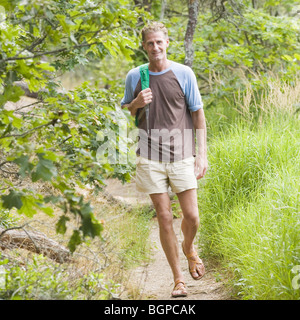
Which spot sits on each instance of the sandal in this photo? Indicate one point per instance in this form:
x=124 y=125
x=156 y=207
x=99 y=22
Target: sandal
x=179 y=289
x=194 y=258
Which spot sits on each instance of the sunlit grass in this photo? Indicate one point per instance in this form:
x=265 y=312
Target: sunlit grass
x=250 y=202
x=127 y=231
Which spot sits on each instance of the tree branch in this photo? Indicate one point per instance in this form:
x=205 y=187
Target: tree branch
x=48 y=52
x=3 y=163
x=29 y=131
x=33 y=241
x=13 y=228
x=33 y=45
x=28 y=105
x=9 y=172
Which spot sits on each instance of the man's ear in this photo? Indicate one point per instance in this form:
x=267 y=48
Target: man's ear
x=168 y=42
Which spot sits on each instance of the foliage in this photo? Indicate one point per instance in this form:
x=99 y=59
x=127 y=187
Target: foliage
x=241 y=45
x=241 y=49
x=41 y=280
x=98 y=267
x=55 y=139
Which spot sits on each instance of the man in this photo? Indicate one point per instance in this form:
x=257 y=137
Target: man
x=167 y=155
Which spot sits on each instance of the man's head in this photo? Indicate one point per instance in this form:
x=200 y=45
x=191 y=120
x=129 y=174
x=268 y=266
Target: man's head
x=154 y=27
x=155 y=41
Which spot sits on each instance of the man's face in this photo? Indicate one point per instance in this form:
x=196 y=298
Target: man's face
x=156 y=44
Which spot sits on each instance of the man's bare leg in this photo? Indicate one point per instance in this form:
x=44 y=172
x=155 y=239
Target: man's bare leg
x=190 y=224
x=168 y=237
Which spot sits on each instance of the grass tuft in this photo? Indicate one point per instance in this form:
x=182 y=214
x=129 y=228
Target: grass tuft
x=250 y=200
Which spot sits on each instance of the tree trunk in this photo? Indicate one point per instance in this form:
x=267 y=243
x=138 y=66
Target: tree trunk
x=34 y=242
x=163 y=8
x=190 y=30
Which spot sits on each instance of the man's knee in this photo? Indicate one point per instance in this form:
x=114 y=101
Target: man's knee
x=165 y=219
x=192 y=219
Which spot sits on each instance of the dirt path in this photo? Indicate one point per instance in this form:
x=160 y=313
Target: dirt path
x=154 y=280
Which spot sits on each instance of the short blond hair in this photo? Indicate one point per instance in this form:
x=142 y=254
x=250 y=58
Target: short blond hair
x=154 y=27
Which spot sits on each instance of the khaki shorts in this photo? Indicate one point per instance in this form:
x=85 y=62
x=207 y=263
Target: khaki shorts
x=156 y=177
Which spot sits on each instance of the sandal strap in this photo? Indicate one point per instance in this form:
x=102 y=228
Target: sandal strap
x=180 y=287
x=192 y=254
x=193 y=258
x=178 y=282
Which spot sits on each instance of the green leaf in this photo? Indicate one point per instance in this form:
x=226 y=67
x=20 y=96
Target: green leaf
x=50 y=155
x=48 y=210
x=297 y=56
x=46 y=67
x=74 y=241
x=24 y=164
x=61 y=225
x=13 y=199
x=11 y=93
x=53 y=199
x=16 y=122
x=44 y=170
x=29 y=206
x=287 y=57
x=9 y=5
x=62 y=20
x=90 y=226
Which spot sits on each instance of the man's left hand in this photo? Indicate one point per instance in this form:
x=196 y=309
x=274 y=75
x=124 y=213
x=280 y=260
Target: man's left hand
x=201 y=166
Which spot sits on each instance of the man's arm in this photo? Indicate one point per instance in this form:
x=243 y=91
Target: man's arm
x=142 y=99
x=199 y=124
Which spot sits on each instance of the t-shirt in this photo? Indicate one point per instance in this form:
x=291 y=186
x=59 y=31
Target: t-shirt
x=168 y=134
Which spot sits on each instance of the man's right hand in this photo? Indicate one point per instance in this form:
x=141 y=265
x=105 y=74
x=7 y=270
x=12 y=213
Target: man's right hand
x=142 y=99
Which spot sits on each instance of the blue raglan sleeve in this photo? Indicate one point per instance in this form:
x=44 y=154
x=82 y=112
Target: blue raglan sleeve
x=189 y=86
x=192 y=94
x=131 y=81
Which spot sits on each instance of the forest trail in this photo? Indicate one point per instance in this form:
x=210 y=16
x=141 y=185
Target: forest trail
x=154 y=280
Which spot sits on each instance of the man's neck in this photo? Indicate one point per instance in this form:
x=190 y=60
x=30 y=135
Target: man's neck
x=160 y=65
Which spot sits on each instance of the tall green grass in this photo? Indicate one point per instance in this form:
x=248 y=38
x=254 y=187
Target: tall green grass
x=250 y=204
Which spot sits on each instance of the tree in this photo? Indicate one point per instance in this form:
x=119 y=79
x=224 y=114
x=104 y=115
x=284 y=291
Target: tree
x=55 y=139
x=239 y=43
x=193 y=6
